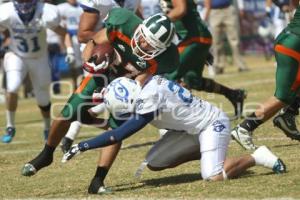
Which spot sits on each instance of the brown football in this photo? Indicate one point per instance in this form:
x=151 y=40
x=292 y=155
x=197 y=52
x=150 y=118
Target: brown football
x=103 y=51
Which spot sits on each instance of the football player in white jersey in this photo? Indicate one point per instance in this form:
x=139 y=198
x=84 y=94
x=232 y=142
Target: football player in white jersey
x=70 y=12
x=90 y=22
x=195 y=128
x=26 y=21
x=149 y=7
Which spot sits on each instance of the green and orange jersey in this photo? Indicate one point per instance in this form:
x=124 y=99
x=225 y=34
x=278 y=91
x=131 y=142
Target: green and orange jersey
x=121 y=25
x=294 y=25
x=190 y=25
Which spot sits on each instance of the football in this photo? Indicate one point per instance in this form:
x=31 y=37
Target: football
x=102 y=52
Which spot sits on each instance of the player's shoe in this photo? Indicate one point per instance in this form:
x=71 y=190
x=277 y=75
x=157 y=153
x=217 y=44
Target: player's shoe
x=74 y=150
x=97 y=187
x=263 y=156
x=243 y=137
x=46 y=134
x=287 y=123
x=237 y=100
x=66 y=144
x=44 y=159
x=28 y=170
x=9 y=134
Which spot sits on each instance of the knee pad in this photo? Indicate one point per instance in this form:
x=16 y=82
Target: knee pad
x=46 y=108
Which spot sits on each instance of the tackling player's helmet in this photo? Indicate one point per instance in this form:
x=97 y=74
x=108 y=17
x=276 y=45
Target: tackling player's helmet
x=158 y=31
x=120 y=96
x=25 y=9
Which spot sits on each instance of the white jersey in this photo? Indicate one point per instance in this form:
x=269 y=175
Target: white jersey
x=29 y=41
x=131 y=5
x=179 y=109
x=101 y=6
x=70 y=17
x=150 y=7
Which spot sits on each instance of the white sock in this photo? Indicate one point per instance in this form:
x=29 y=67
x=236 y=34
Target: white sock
x=264 y=157
x=73 y=130
x=47 y=122
x=10 y=118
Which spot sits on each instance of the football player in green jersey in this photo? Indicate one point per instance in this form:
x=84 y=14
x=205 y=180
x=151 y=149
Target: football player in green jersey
x=144 y=47
x=287 y=48
x=195 y=41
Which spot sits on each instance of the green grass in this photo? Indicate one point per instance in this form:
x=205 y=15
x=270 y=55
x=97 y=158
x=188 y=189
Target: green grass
x=71 y=180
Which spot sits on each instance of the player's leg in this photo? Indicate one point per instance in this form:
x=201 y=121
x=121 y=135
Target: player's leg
x=214 y=141
x=75 y=109
x=193 y=63
x=40 y=76
x=15 y=71
x=106 y=158
x=287 y=84
x=173 y=149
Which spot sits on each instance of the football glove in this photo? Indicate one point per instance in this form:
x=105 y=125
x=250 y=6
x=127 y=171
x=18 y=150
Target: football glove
x=91 y=67
x=70 y=57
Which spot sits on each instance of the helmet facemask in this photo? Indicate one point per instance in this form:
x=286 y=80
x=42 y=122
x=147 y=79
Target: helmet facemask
x=157 y=32
x=25 y=9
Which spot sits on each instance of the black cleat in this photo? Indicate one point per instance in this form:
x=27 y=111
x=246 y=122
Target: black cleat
x=97 y=187
x=44 y=159
x=286 y=121
x=237 y=100
x=66 y=144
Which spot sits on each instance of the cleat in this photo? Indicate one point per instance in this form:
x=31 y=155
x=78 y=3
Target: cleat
x=66 y=144
x=28 y=170
x=97 y=187
x=279 y=167
x=43 y=159
x=9 y=134
x=287 y=123
x=74 y=150
x=237 y=101
x=243 y=138
x=46 y=133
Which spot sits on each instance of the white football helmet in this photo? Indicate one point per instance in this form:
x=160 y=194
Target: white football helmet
x=158 y=31
x=120 y=96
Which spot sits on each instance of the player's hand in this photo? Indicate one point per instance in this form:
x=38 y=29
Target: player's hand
x=91 y=67
x=70 y=57
x=74 y=150
x=98 y=95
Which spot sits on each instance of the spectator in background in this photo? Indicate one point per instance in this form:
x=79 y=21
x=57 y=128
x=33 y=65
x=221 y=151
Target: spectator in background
x=223 y=19
x=70 y=14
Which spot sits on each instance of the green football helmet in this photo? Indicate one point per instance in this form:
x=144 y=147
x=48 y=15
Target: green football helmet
x=158 y=31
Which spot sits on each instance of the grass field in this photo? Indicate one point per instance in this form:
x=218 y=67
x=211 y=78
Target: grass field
x=71 y=180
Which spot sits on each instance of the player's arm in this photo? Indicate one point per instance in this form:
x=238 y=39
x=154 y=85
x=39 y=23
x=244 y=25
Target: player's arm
x=128 y=128
x=178 y=11
x=87 y=25
x=207 y=6
x=64 y=34
x=99 y=38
